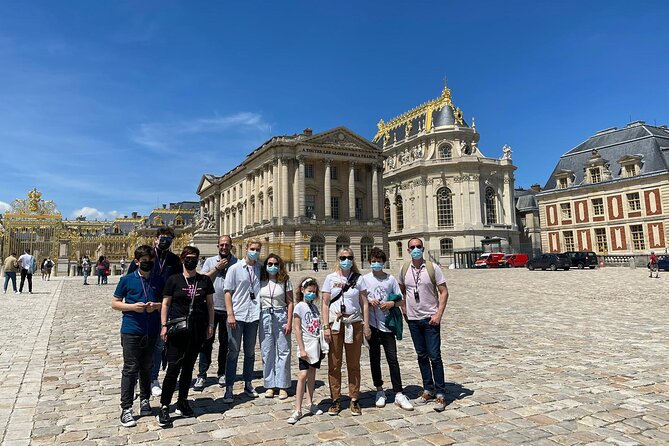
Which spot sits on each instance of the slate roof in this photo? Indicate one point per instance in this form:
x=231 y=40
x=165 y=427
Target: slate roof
x=637 y=138
x=526 y=200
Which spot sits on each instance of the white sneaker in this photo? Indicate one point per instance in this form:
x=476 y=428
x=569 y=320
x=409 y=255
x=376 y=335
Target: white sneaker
x=314 y=410
x=402 y=401
x=221 y=380
x=381 y=398
x=294 y=417
x=199 y=384
x=155 y=388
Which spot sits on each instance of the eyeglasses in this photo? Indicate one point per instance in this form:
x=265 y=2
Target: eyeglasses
x=345 y=257
x=416 y=246
x=272 y=264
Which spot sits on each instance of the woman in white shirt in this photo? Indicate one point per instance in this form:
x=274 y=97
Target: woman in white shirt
x=343 y=312
x=276 y=321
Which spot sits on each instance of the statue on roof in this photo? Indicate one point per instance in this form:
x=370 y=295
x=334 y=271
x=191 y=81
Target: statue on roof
x=507 y=152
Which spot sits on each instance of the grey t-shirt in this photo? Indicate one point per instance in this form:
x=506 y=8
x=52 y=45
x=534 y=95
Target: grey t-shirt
x=218 y=279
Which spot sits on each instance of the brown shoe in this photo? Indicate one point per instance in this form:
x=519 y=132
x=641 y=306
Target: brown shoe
x=355 y=408
x=424 y=398
x=335 y=408
x=439 y=404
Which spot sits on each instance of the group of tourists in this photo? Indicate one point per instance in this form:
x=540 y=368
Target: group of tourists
x=171 y=311
x=25 y=265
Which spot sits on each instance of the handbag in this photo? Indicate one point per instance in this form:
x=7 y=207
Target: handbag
x=181 y=325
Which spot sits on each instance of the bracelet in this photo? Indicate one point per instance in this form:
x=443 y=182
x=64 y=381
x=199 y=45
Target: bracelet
x=164 y=325
x=326 y=328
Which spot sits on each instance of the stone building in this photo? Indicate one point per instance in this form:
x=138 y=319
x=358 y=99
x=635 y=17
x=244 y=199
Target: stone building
x=302 y=195
x=610 y=194
x=527 y=218
x=439 y=186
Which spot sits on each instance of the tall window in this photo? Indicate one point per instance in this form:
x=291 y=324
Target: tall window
x=357 y=175
x=310 y=206
x=444 y=208
x=308 y=171
x=343 y=241
x=317 y=246
x=399 y=210
x=565 y=209
x=241 y=190
x=446 y=247
x=234 y=193
x=595 y=175
x=597 y=207
x=490 y=206
x=637 y=237
x=333 y=172
x=445 y=152
x=634 y=202
x=386 y=213
x=366 y=244
x=600 y=240
x=334 y=207
x=568 y=240
x=563 y=183
x=358 y=208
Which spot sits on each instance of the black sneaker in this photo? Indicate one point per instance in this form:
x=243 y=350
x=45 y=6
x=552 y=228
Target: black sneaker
x=199 y=383
x=163 y=417
x=183 y=409
x=145 y=408
x=127 y=420
x=335 y=408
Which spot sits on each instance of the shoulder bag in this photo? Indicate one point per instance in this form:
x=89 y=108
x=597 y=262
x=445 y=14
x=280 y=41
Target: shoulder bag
x=181 y=325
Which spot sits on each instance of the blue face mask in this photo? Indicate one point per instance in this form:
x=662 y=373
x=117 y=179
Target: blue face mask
x=377 y=266
x=273 y=270
x=345 y=264
x=309 y=296
x=416 y=253
x=253 y=255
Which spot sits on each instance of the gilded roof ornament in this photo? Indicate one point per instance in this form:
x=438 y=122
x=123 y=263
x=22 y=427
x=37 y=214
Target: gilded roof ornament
x=33 y=205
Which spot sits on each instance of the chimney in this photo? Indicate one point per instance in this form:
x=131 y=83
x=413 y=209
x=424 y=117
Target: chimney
x=164 y=206
x=134 y=215
x=125 y=216
x=535 y=187
x=308 y=132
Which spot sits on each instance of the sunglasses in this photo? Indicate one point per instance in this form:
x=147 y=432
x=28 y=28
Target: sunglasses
x=416 y=246
x=345 y=257
x=272 y=264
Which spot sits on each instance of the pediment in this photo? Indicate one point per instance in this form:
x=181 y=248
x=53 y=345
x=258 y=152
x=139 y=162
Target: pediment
x=342 y=137
x=205 y=183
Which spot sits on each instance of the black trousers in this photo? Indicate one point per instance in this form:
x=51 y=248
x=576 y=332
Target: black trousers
x=182 y=352
x=137 y=360
x=24 y=274
x=220 y=322
x=377 y=339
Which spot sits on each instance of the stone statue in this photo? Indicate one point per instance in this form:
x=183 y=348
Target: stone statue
x=204 y=221
x=507 y=152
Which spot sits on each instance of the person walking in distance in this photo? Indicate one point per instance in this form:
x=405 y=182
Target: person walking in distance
x=10 y=266
x=216 y=268
x=314 y=263
x=653 y=265
x=425 y=295
x=28 y=266
x=86 y=268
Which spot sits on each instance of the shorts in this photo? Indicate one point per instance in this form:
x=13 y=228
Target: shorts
x=304 y=365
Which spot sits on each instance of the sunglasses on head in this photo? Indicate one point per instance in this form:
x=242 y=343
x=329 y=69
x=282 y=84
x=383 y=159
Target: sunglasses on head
x=416 y=246
x=345 y=257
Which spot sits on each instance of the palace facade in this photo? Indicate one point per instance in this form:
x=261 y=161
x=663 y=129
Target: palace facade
x=301 y=195
x=439 y=186
x=610 y=194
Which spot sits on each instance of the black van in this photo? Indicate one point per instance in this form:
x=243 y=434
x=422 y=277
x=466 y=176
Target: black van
x=582 y=259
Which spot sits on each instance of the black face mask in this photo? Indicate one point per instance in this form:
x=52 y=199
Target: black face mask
x=146 y=266
x=190 y=264
x=164 y=244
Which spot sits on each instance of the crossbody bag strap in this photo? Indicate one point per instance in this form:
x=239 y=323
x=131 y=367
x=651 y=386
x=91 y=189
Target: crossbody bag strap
x=345 y=288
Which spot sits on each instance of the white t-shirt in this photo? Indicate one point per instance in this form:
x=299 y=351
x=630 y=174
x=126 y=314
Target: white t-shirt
x=273 y=294
x=379 y=290
x=310 y=323
x=334 y=282
x=25 y=261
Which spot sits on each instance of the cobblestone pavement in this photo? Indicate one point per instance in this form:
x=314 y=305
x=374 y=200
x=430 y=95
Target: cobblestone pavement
x=539 y=358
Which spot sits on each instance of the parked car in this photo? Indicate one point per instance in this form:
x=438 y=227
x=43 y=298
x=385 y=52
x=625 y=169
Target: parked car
x=549 y=261
x=489 y=260
x=513 y=260
x=663 y=263
x=582 y=259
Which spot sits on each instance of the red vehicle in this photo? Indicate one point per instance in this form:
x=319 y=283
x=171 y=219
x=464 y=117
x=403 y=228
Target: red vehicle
x=489 y=260
x=513 y=261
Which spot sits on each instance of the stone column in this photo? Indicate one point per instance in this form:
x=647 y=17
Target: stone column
x=284 y=187
x=351 y=190
x=266 y=208
x=375 y=191
x=296 y=190
x=327 y=189
x=217 y=212
x=275 y=189
x=256 y=187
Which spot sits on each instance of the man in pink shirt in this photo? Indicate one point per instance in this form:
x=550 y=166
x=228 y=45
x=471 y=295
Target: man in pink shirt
x=424 y=304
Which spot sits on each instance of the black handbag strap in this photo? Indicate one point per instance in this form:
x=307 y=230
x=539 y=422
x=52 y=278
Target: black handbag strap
x=352 y=280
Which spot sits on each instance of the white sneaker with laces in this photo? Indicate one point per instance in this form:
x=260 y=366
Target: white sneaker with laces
x=199 y=384
x=156 y=390
x=294 y=417
x=402 y=401
x=380 y=398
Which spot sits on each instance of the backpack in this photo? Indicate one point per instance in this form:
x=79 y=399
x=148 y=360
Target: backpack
x=429 y=266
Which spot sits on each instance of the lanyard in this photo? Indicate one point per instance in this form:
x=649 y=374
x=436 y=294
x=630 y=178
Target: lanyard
x=416 y=277
x=271 y=293
x=161 y=264
x=146 y=293
x=252 y=276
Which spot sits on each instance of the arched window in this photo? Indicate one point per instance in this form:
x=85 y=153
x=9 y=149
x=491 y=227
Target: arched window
x=117 y=230
x=445 y=247
x=386 y=213
x=366 y=245
x=398 y=245
x=444 y=208
x=343 y=241
x=445 y=152
x=399 y=209
x=178 y=221
x=157 y=221
x=490 y=206
x=317 y=246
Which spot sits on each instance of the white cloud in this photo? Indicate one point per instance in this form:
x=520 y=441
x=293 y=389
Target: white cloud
x=93 y=213
x=167 y=137
x=4 y=207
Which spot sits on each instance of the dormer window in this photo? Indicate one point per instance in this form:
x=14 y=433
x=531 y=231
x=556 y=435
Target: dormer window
x=595 y=175
x=563 y=183
x=630 y=166
x=564 y=178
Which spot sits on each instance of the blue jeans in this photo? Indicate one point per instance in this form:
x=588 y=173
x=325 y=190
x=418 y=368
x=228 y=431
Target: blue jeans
x=11 y=276
x=248 y=330
x=427 y=342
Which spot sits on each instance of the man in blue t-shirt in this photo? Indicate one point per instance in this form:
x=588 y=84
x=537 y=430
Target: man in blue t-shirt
x=140 y=303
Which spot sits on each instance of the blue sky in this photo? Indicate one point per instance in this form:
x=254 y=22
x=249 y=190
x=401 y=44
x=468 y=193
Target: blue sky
x=113 y=106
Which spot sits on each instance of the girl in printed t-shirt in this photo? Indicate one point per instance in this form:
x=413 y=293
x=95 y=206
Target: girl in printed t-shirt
x=307 y=326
